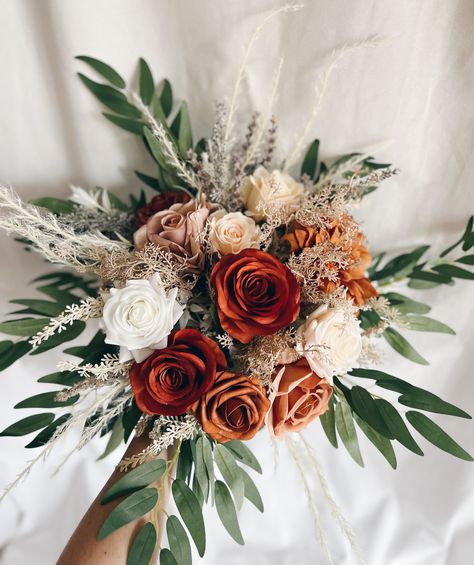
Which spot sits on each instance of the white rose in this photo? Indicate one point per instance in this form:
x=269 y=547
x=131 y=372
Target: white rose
x=264 y=188
x=331 y=342
x=140 y=316
x=232 y=232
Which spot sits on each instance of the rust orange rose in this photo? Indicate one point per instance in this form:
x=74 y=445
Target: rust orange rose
x=158 y=203
x=255 y=294
x=300 y=397
x=170 y=380
x=358 y=286
x=234 y=408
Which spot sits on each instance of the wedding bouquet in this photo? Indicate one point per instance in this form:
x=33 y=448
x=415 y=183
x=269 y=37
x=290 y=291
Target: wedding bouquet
x=242 y=297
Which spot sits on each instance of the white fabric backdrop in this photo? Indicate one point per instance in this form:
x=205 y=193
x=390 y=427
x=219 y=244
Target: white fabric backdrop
x=413 y=95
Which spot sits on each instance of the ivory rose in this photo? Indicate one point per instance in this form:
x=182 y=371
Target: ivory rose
x=232 y=232
x=172 y=379
x=177 y=229
x=255 y=293
x=264 y=188
x=234 y=408
x=140 y=316
x=300 y=396
x=330 y=340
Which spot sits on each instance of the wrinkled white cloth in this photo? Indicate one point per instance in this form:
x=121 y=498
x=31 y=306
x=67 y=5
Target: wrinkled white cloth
x=408 y=102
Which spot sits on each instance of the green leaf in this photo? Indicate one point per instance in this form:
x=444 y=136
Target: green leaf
x=230 y=472
x=130 y=419
x=425 y=324
x=466 y=260
x=424 y=400
x=200 y=467
x=347 y=432
x=11 y=352
x=155 y=148
x=178 y=541
x=105 y=70
x=464 y=237
x=25 y=327
x=41 y=307
x=137 y=504
x=110 y=97
x=454 y=271
x=209 y=463
x=406 y=305
x=64 y=378
x=383 y=444
x=128 y=124
x=45 y=435
x=243 y=454
x=142 y=476
x=115 y=439
x=62 y=297
x=397 y=426
x=190 y=511
x=143 y=546
x=428 y=277
x=250 y=491
x=181 y=127
x=166 y=96
x=401 y=345
x=28 y=425
x=401 y=265
x=55 y=205
x=365 y=407
x=167 y=558
x=150 y=181
x=46 y=400
x=71 y=332
x=227 y=513
x=310 y=160
x=434 y=434
x=185 y=462
x=147 y=85
x=328 y=422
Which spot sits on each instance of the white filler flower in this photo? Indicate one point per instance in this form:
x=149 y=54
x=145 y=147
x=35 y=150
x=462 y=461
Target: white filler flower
x=140 y=316
x=331 y=341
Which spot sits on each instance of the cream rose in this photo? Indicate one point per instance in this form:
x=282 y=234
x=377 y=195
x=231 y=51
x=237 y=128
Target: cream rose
x=264 y=188
x=331 y=342
x=140 y=316
x=232 y=232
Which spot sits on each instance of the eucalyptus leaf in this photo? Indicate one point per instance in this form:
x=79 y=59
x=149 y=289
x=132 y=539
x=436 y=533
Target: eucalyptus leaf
x=152 y=182
x=227 y=513
x=366 y=409
x=28 y=425
x=437 y=436
x=64 y=378
x=397 y=426
x=167 y=558
x=136 y=479
x=190 y=511
x=166 y=96
x=134 y=506
x=46 y=400
x=181 y=127
x=423 y=400
x=143 y=546
x=41 y=307
x=105 y=70
x=251 y=492
x=328 y=422
x=110 y=97
x=178 y=541
x=25 y=327
x=130 y=419
x=147 y=85
x=115 y=439
x=425 y=324
x=243 y=454
x=406 y=305
x=466 y=260
x=230 y=472
x=401 y=345
x=55 y=205
x=128 y=124
x=400 y=266
x=310 y=160
x=347 y=432
x=383 y=444
x=200 y=468
x=45 y=435
x=454 y=271
x=13 y=352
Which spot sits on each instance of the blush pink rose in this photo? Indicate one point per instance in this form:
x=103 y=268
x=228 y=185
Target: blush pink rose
x=300 y=397
x=177 y=229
